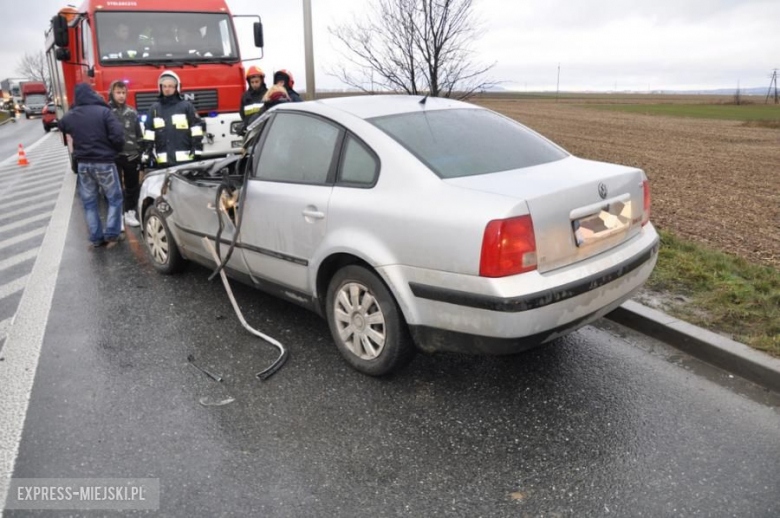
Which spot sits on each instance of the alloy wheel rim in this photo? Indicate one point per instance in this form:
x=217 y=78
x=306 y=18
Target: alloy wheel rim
x=157 y=240
x=360 y=321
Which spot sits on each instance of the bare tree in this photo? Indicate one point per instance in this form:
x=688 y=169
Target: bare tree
x=413 y=46
x=33 y=67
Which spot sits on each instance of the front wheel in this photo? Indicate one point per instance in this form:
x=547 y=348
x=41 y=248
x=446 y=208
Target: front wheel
x=160 y=244
x=366 y=323
x=46 y=128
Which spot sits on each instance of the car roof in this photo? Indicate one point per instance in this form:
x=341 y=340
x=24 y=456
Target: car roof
x=369 y=106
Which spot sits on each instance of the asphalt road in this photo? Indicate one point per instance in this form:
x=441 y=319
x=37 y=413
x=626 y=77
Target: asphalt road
x=23 y=131
x=604 y=422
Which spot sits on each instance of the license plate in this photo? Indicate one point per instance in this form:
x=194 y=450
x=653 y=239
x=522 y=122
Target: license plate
x=613 y=219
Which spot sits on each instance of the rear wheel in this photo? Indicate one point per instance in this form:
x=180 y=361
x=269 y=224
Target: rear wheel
x=160 y=245
x=46 y=128
x=366 y=323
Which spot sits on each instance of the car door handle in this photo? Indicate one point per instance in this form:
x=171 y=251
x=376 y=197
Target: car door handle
x=313 y=214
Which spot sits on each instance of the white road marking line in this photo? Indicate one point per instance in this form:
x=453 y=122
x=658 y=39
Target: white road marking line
x=25 y=221
x=49 y=203
x=22 y=348
x=13 y=286
x=33 y=181
x=21 y=197
x=46 y=195
x=18 y=258
x=26 y=189
x=30 y=148
x=5 y=325
x=21 y=237
x=33 y=171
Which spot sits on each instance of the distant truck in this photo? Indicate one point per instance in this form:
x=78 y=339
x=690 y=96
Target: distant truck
x=12 y=87
x=33 y=98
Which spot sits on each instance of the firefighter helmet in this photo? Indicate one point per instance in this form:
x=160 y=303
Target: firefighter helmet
x=169 y=74
x=286 y=76
x=254 y=71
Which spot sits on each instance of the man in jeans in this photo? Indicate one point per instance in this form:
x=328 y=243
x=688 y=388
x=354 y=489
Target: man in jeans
x=98 y=137
x=129 y=160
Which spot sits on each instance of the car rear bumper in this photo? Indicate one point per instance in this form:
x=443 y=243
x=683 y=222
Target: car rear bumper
x=448 y=311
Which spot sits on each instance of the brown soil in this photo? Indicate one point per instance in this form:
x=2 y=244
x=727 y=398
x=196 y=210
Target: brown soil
x=714 y=182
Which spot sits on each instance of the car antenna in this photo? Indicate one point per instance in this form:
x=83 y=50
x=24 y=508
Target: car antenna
x=422 y=101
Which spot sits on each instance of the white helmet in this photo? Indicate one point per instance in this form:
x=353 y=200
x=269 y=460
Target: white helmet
x=172 y=75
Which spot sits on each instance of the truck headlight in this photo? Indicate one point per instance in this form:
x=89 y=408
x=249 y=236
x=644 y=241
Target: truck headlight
x=235 y=127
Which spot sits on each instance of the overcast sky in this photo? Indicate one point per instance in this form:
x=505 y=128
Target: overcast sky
x=600 y=44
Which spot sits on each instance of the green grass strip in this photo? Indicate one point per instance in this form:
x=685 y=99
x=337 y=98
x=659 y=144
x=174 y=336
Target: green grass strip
x=726 y=293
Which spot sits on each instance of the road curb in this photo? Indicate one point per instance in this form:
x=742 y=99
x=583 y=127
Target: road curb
x=705 y=345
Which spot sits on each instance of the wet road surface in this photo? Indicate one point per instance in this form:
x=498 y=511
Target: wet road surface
x=27 y=199
x=603 y=423
x=24 y=132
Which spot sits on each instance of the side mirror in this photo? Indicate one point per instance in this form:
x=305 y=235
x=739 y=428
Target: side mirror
x=259 y=34
x=60 y=27
x=62 y=54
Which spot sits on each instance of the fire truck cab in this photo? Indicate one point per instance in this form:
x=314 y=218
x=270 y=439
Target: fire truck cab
x=135 y=40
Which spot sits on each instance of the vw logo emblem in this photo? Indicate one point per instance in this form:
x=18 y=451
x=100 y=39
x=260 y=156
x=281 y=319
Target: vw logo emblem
x=602 y=191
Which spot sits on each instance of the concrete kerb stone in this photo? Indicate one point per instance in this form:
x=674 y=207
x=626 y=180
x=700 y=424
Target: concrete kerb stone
x=700 y=343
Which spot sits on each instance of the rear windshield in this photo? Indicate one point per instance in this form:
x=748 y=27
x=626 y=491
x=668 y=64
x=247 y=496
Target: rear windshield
x=468 y=142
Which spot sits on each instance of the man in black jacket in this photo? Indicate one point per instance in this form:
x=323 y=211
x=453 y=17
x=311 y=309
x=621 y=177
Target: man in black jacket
x=252 y=100
x=286 y=78
x=172 y=125
x=129 y=160
x=97 y=138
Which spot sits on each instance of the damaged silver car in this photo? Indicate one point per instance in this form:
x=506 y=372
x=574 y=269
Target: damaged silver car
x=411 y=223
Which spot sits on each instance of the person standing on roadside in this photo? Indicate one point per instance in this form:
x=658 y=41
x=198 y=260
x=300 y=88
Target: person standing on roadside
x=173 y=127
x=129 y=160
x=252 y=100
x=98 y=137
x=285 y=78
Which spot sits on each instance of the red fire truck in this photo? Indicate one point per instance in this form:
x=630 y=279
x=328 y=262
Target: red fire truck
x=135 y=40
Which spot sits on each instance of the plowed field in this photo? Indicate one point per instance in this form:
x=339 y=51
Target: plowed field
x=715 y=182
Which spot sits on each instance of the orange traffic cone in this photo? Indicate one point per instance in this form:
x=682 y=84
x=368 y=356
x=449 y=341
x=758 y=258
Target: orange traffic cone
x=22 y=157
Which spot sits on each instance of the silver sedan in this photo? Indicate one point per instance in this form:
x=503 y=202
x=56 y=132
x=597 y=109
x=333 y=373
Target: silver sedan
x=412 y=223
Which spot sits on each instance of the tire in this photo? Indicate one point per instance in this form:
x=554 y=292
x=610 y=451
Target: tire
x=384 y=345
x=46 y=128
x=27 y=115
x=161 y=247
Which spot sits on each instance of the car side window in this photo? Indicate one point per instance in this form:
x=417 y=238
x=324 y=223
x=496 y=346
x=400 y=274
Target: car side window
x=298 y=149
x=359 y=167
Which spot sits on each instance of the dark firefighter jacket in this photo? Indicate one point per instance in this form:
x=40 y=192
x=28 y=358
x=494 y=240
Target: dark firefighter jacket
x=252 y=102
x=97 y=134
x=176 y=130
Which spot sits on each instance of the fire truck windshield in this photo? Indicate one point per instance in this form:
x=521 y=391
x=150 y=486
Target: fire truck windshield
x=149 y=37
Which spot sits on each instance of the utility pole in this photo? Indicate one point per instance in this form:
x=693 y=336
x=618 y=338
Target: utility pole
x=771 y=82
x=309 y=51
x=558 y=83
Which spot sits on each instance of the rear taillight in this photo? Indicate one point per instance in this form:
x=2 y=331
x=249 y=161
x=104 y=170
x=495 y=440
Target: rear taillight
x=646 y=215
x=508 y=247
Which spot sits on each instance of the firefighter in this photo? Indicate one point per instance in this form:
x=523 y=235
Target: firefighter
x=285 y=78
x=252 y=101
x=173 y=131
